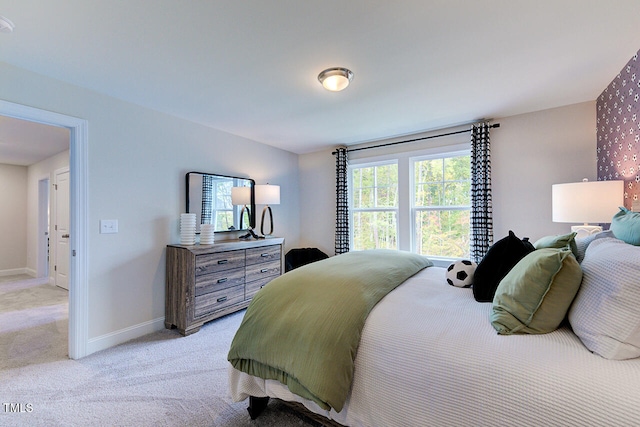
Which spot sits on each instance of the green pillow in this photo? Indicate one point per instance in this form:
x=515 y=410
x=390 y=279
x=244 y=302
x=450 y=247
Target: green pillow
x=626 y=226
x=560 y=242
x=534 y=297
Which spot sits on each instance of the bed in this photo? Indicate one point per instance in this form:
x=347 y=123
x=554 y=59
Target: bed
x=429 y=356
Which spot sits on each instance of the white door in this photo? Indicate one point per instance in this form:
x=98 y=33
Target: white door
x=61 y=229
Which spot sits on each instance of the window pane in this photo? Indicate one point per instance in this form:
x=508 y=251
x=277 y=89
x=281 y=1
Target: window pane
x=387 y=197
x=442 y=233
x=223 y=220
x=375 y=186
x=457 y=168
x=429 y=195
x=363 y=198
x=386 y=177
x=374 y=230
x=223 y=195
x=457 y=193
x=428 y=170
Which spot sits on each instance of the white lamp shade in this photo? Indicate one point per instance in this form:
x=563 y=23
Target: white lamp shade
x=241 y=195
x=587 y=201
x=267 y=194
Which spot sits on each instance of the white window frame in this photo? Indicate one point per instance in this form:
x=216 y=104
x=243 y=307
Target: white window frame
x=404 y=216
x=352 y=210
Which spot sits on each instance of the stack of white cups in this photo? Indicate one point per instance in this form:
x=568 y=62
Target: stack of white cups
x=206 y=234
x=188 y=229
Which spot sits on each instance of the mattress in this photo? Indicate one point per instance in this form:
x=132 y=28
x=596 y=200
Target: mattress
x=429 y=356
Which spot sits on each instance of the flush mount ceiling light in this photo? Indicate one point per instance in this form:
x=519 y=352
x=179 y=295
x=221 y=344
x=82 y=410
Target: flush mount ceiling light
x=6 y=26
x=335 y=79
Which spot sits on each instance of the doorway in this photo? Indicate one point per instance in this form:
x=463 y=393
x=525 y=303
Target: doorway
x=78 y=209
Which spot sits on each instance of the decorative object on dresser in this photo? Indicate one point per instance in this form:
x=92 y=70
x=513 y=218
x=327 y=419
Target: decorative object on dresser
x=207 y=282
x=241 y=196
x=267 y=194
x=187 y=229
x=207 y=235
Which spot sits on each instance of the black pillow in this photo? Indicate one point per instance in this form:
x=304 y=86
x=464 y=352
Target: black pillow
x=501 y=257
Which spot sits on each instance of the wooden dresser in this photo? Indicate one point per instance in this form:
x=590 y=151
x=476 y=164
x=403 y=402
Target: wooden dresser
x=205 y=282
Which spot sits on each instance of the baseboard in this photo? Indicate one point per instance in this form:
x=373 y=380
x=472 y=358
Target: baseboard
x=123 y=335
x=14 y=271
x=31 y=272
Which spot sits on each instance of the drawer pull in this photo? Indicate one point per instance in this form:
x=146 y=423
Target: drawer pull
x=222 y=299
x=264 y=270
x=222 y=280
x=264 y=255
x=223 y=261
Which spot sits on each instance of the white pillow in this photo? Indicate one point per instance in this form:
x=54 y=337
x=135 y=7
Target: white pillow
x=606 y=311
x=582 y=243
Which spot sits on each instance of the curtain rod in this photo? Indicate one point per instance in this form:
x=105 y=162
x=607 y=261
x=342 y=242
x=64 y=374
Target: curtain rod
x=495 y=125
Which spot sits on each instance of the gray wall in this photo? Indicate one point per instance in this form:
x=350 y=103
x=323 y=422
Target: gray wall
x=137 y=162
x=530 y=152
x=13 y=219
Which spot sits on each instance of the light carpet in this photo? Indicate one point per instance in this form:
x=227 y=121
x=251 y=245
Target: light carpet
x=162 y=379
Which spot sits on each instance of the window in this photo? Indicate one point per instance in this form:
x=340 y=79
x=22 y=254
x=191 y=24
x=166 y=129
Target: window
x=441 y=206
x=374 y=206
x=417 y=202
x=221 y=206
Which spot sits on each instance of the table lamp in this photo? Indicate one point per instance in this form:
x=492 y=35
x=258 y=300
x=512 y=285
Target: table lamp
x=586 y=202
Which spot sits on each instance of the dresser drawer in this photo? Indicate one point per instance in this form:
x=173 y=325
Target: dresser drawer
x=253 y=287
x=217 y=300
x=206 y=283
x=265 y=254
x=212 y=263
x=259 y=271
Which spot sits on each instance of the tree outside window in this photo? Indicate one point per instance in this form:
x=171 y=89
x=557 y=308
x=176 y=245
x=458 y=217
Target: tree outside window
x=441 y=206
x=374 y=206
x=222 y=206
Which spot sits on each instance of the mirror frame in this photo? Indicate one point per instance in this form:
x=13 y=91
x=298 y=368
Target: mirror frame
x=252 y=207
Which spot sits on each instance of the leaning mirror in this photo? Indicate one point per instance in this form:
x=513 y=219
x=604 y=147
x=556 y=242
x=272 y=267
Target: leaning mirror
x=225 y=201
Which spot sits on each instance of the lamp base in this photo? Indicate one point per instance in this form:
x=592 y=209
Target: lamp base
x=266 y=209
x=585 y=230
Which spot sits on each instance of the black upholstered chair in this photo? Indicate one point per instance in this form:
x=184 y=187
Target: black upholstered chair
x=301 y=256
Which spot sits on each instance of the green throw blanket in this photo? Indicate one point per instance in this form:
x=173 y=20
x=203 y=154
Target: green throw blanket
x=303 y=328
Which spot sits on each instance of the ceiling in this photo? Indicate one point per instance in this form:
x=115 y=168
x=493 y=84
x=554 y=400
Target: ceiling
x=250 y=67
x=24 y=143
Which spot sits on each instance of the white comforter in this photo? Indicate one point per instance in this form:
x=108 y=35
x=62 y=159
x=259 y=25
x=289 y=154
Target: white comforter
x=430 y=357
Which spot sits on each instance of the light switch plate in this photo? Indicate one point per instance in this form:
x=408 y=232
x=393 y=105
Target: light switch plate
x=635 y=206
x=108 y=226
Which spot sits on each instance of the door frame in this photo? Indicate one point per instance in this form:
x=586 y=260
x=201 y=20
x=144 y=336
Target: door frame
x=78 y=216
x=44 y=196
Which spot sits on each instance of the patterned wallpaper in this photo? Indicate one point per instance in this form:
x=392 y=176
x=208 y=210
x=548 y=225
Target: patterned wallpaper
x=618 y=121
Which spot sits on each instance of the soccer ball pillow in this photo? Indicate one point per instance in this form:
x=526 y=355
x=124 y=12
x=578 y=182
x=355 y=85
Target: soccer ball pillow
x=460 y=273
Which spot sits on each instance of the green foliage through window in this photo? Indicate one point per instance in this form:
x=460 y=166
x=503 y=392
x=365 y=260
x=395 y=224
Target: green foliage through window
x=439 y=201
x=374 y=203
x=442 y=199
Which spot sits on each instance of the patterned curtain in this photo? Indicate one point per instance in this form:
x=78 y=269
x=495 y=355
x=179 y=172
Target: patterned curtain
x=481 y=202
x=342 y=202
x=207 y=199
